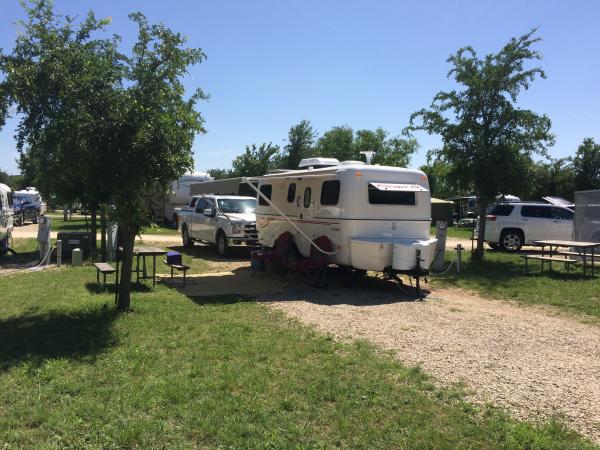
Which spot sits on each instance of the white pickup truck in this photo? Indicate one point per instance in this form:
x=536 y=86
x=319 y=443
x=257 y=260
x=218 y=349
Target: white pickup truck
x=223 y=220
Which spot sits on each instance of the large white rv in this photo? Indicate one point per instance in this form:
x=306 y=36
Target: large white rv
x=6 y=217
x=377 y=218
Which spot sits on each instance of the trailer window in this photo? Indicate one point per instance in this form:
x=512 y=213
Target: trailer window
x=307 y=193
x=377 y=197
x=266 y=190
x=291 y=192
x=330 y=192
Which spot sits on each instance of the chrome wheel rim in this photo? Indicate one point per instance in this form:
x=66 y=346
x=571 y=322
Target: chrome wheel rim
x=511 y=242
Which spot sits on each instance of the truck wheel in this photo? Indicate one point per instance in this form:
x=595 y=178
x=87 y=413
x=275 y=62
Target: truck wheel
x=222 y=245
x=185 y=236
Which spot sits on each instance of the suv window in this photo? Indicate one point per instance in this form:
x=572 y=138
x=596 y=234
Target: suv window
x=330 y=192
x=541 y=212
x=502 y=210
x=562 y=214
x=266 y=190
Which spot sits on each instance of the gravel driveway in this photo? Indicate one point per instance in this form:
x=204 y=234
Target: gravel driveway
x=531 y=360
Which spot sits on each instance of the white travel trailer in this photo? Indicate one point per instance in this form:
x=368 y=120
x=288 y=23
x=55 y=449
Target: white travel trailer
x=6 y=217
x=377 y=218
x=164 y=206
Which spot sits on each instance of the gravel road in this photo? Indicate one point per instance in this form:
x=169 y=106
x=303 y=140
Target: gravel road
x=534 y=361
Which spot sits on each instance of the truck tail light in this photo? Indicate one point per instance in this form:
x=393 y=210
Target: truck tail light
x=490 y=218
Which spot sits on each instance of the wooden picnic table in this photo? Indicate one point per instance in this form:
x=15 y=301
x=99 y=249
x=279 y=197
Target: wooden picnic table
x=584 y=250
x=141 y=252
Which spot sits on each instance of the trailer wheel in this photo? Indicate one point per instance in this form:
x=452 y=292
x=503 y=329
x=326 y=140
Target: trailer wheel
x=185 y=236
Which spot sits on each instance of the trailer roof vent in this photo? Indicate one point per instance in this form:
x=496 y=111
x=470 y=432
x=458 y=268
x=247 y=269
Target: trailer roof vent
x=350 y=162
x=317 y=163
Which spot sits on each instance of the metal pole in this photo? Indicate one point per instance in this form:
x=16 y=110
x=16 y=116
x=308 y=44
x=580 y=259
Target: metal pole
x=440 y=248
x=458 y=257
x=58 y=253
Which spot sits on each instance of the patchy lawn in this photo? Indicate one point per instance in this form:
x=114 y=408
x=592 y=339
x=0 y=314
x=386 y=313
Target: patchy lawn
x=502 y=275
x=184 y=372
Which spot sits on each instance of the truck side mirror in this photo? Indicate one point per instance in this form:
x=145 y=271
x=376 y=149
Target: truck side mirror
x=210 y=212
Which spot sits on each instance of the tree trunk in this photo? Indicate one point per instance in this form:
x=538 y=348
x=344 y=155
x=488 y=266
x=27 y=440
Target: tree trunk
x=93 y=228
x=103 y=233
x=128 y=240
x=478 y=256
x=65 y=212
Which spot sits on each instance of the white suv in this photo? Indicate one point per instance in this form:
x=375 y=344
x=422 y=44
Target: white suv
x=512 y=225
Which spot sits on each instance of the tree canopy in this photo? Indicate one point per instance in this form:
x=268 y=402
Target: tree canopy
x=586 y=165
x=99 y=123
x=487 y=140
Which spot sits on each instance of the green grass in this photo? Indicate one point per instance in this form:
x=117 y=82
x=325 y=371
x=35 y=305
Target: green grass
x=502 y=275
x=78 y=223
x=183 y=372
x=460 y=233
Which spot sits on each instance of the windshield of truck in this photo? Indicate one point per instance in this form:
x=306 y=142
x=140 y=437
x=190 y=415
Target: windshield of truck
x=18 y=199
x=237 y=205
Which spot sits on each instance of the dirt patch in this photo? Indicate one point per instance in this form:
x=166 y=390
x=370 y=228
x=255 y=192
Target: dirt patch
x=530 y=360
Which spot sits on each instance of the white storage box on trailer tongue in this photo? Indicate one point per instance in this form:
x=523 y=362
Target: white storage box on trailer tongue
x=405 y=253
x=371 y=254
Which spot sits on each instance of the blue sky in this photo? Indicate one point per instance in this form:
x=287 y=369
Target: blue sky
x=359 y=63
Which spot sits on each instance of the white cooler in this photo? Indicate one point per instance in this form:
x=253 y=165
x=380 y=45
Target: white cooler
x=405 y=253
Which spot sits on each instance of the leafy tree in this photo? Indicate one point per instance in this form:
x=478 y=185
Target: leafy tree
x=301 y=138
x=342 y=143
x=439 y=173
x=388 y=151
x=256 y=160
x=586 y=165
x=488 y=140
x=220 y=174
x=337 y=143
x=4 y=177
x=123 y=120
x=61 y=80
x=155 y=127
x=550 y=177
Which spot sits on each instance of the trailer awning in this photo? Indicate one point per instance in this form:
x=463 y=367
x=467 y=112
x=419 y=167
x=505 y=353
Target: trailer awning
x=398 y=187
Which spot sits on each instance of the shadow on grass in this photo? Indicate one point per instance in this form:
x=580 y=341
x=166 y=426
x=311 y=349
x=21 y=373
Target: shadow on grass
x=72 y=227
x=492 y=274
x=209 y=253
x=95 y=288
x=35 y=337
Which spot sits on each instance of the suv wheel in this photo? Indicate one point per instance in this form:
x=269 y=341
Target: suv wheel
x=511 y=240
x=185 y=236
x=222 y=245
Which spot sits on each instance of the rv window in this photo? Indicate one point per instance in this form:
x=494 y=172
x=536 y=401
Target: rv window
x=291 y=192
x=377 y=197
x=330 y=192
x=266 y=190
x=307 y=193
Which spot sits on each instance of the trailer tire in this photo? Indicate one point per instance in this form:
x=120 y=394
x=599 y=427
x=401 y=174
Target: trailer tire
x=222 y=245
x=185 y=236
